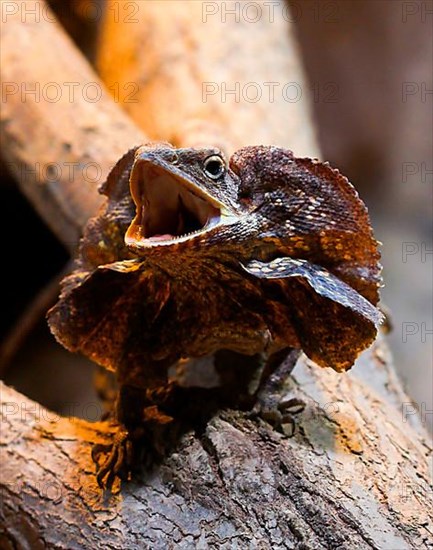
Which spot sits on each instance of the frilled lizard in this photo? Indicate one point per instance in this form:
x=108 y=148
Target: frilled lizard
x=191 y=258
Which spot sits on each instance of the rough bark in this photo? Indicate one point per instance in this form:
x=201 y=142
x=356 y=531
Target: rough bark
x=355 y=475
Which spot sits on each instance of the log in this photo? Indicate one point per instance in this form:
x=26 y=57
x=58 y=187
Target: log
x=356 y=473
x=61 y=131
x=355 y=476
x=209 y=73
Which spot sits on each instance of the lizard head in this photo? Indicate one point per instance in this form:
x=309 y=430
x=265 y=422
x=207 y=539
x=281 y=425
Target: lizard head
x=263 y=203
x=181 y=196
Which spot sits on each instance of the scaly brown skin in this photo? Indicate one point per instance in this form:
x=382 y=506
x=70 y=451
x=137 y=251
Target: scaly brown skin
x=282 y=257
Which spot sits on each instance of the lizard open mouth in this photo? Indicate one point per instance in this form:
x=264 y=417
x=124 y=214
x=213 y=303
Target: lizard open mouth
x=168 y=208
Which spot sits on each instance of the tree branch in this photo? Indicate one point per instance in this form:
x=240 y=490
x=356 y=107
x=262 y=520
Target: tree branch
x=208 y=77
x=60 y=130
x=355 y=475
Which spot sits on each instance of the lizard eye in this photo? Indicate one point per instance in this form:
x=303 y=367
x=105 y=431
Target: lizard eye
x=214 y=167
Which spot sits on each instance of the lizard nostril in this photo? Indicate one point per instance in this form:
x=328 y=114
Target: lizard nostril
x=172 y=157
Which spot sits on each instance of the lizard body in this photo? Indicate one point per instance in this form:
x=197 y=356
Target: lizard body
x=191 y=256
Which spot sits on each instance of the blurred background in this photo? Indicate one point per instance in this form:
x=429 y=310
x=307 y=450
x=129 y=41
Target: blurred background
x=369 y=67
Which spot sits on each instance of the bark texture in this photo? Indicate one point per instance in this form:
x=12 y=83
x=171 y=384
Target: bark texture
x=355 y=475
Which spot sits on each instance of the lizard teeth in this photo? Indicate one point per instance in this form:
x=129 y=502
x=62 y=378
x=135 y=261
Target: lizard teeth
x=171 y=209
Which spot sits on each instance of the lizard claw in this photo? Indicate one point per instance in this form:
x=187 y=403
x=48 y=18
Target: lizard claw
x=279 y=414
x=119 y=461
x=288 y=408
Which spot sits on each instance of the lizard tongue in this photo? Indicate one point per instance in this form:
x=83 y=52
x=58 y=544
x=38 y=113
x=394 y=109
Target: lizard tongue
x=165 y=237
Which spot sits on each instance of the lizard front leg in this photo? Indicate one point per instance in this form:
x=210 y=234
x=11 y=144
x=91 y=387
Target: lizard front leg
x=256 y=383
x=118 y=455
x=139 y=424
x=269 y=403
